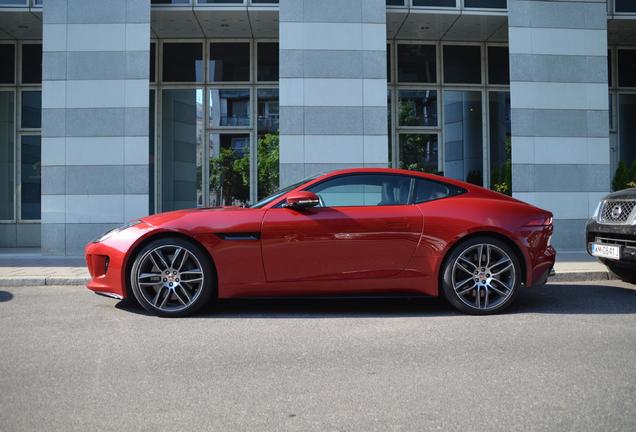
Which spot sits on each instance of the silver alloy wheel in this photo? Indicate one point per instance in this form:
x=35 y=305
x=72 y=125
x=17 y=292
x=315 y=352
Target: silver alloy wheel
x=170 y=278
x=483 y=276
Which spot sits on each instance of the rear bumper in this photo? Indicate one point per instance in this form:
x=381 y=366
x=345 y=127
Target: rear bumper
x=543 y=266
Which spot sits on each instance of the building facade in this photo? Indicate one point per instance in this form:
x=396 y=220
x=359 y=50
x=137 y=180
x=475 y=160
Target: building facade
x=113 y=110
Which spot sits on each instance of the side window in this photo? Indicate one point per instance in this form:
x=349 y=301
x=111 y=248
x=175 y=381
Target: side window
x=364 y=190
x=427 y=190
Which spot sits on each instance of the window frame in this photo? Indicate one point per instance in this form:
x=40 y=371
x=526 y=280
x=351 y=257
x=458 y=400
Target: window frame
x=16 y=196
x=411 y=199
x=206 y=85
x=17 y=88
x=485 y=87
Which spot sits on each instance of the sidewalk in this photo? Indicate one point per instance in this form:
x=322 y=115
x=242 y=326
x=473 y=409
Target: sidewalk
x=28 y=267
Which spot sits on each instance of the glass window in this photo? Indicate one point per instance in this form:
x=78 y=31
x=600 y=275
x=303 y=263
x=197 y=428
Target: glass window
x=268 y=142
x=264 y=1
x=388 y=63
x=7 y=134
x=462 y=64
x=229 y=61
x=609 y=68
x=627 y=128
x=182 y=62
x=389 y=127
x=267 y=61
x=171 y=2
x=220 y=1
x=417 y=107
x=268 y=111
x=31 y=113
x=31 y=63
x=494 y=4
x=463 y=139
x=7 y=65
x=395 y=2
x=229 y=169
x=14 y=2
x=428 y=190
x=611 y=111
x=418 y=152
x=417 y=63
x=500 y=142
x=182 y=149
x=31 y=177
x=153 y=61
x=498 y=65
x=437 y=3
x=229 y=107
x=626 y=68
x=364 y=190
x=625 y=5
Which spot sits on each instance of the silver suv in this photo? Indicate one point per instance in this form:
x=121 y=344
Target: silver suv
x=611 y=234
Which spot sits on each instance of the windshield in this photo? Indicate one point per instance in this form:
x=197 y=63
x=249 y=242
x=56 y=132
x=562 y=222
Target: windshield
x=282 y=192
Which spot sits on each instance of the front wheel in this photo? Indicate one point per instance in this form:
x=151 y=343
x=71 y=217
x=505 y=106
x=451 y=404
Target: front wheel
x=624 y=273
x=481 y=276
x=171 y=277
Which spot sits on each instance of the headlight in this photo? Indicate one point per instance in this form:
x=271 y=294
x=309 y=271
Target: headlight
x=597 y=211
x=112 y=232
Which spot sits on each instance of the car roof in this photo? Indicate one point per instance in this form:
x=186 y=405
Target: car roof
x=370 y=170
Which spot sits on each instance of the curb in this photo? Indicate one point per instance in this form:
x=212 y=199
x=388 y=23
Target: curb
x=42 y=281
x=589 y=276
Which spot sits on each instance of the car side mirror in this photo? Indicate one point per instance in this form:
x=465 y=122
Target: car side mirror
x=301 y=200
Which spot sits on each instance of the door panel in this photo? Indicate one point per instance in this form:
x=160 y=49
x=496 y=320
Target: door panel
x=344 y=243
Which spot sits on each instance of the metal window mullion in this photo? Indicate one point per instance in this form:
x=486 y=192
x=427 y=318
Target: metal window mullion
x=158 y=125
x=485 y=148
x=205 y=145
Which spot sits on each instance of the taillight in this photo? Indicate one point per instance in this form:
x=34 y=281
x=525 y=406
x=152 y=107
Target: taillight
x=540 y=221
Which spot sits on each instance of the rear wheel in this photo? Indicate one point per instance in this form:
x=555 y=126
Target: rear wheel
x=171 y=277
x=481 y=276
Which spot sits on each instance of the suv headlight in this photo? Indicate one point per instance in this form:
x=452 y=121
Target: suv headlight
x=108 y=234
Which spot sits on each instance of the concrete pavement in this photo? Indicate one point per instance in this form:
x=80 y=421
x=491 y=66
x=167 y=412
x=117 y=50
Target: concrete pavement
x=561 y=359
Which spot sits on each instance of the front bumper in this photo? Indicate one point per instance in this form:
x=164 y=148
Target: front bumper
x=614 y=235
x=106 y=261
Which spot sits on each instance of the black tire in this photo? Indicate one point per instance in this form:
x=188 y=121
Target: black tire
x=172 y=288
x=624 y=273
x=471 y=286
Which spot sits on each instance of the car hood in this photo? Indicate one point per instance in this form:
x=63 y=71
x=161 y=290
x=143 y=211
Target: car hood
x=623 y=194
x=197 y=215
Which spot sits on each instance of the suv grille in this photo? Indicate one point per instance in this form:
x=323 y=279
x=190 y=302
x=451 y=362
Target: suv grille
x=616 y=212
x=616 y=241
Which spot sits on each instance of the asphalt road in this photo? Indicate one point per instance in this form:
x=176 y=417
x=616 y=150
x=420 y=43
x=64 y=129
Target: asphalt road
x=564 y=358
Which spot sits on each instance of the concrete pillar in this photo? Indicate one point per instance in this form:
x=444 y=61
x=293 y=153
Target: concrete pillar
x=333 y=90
x=559 y=101
x=94 y=119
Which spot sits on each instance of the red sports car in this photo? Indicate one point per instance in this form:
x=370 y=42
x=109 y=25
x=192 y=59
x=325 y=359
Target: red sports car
x=355 y=232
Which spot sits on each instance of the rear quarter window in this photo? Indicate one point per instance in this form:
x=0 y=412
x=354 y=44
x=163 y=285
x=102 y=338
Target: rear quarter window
x=429 y=190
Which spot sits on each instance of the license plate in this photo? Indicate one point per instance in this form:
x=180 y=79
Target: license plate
x=606 y=251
